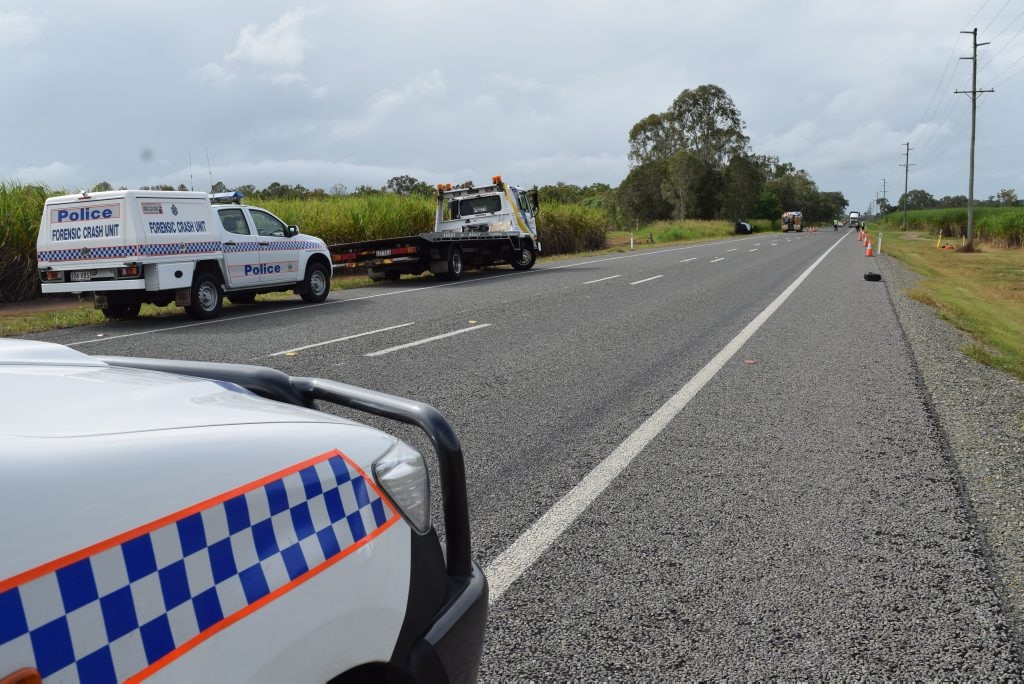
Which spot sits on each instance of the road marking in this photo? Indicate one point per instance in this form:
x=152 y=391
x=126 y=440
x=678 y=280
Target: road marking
x=690 y=259
x=600 y=280
x=752 y=250
x=718 y=259
x=340 y=339
x=399 y=291
x=429 y=339
x=731 y=250
x=647 y=280
x=757 y=244
x=525 y=550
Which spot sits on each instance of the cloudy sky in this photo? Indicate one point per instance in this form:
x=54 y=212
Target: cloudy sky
x=132 y=91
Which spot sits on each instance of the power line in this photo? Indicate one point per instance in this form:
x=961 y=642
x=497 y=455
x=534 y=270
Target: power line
x=973 y=92
x=993 y=19
x=1008 y=43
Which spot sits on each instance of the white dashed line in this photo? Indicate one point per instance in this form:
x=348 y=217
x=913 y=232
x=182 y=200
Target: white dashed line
x=340 y=339
x=690 y=259
x=718 y=259
x=646 y=280
x=600 y=280
x=731 y=250
x=752 y=250
x=429 y=339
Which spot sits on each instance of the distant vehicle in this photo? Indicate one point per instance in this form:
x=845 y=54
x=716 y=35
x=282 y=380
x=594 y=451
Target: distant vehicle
x=792 y=220
x=743 y=228
x=201 y=522
x=854 y=221
x=133 y=247
x=473 y=227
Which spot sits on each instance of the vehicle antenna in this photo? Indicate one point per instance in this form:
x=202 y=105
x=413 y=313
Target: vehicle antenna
x=191 y=186
x=209 y=167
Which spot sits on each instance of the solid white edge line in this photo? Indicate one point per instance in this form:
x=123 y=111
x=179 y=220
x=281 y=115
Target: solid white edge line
x=340 y=339
x=429 y=339
x=600 y=280
x=647 y=280
x=528 y=547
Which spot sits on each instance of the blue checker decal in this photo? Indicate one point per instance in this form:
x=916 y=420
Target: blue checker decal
x=114 y=612
x=122 y=252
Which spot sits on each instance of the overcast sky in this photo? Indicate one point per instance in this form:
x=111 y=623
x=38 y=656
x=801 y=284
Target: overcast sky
x=354 y=93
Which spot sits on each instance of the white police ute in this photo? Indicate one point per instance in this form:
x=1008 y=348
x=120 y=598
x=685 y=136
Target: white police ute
x=135 y=247
x=196 y=522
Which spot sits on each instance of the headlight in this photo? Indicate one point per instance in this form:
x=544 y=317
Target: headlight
x=402 y=474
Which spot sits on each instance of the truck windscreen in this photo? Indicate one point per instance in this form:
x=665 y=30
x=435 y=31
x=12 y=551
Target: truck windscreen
x=473 y=206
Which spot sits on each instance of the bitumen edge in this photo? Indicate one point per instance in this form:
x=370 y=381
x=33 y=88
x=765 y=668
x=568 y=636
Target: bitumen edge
x=978 y=411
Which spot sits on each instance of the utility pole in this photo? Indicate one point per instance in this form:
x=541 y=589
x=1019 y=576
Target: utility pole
x=973 y=92
x=906 y=178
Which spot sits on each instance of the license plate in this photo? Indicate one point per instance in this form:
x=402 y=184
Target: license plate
x=82 y=275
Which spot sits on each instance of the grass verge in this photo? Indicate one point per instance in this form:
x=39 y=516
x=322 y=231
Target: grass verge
x=981 y=293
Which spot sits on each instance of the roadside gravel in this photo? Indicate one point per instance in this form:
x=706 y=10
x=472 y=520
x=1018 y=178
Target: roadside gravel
x=981 y=412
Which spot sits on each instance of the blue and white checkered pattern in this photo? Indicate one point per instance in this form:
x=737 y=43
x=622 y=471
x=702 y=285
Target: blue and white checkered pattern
x=173 y=248
x=279 y=246
x=114 y=613
x=93 y=253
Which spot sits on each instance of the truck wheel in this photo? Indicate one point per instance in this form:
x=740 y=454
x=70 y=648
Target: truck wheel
x=455 y=265
x=122 y=309
x=206 y=297
x=316 y=285
x=524 y=259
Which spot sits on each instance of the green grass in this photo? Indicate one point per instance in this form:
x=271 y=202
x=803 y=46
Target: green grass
x=666 y=232
x=981 y=293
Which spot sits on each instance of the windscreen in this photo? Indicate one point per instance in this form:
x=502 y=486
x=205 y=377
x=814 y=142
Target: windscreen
x=472 y=206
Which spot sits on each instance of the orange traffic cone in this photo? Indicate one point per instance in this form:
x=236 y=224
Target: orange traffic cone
x=869 y=253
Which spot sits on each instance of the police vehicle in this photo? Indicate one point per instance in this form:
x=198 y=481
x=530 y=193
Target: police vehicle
x=187 y=522
x=130 y=247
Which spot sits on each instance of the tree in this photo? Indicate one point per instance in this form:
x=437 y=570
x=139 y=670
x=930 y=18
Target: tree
x=917 y=199
x=1007 y=197
x=954 y=201
x=102 y=186
x=706 y=122
x=639 y=195
x=649 y=139
x=692 y=185
x=743 y=181
x=402 y=185
x=219 y=187
x=339 y=189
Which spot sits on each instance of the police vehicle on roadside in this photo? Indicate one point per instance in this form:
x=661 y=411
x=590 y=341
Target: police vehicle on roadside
x=201 y=522
x=135 y=247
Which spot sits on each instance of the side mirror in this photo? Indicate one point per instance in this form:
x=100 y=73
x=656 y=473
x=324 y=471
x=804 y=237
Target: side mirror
x=293 y=231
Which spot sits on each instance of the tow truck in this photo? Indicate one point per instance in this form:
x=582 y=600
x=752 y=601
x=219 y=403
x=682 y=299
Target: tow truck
x=473 y=227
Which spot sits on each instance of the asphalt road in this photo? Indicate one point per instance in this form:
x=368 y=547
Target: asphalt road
x=783 y=509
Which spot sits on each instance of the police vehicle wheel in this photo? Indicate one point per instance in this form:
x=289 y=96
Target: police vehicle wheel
x=316 y=285
x=524 y=259
x=206 y=297
x=122 y=310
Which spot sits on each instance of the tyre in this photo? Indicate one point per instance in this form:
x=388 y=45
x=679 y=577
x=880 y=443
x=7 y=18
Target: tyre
x=121 y=308
x=242 y=298
x=455 y=265
x=524 y=259
x=392 y=275
x=206 y=297
x=317 y=283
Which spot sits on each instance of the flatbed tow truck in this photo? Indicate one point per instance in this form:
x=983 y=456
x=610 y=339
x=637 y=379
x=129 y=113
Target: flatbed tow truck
x=473 y=227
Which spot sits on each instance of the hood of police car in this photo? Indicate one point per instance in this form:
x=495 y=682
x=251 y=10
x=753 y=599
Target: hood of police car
x=53 y=391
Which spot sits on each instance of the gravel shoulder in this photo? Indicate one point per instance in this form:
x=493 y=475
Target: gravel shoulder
x=981 y=413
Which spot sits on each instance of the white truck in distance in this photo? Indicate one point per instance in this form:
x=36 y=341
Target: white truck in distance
x=473 y=227
x=131 y=247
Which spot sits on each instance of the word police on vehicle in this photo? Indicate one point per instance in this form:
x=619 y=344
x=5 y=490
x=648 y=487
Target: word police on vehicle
x=133 y=247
